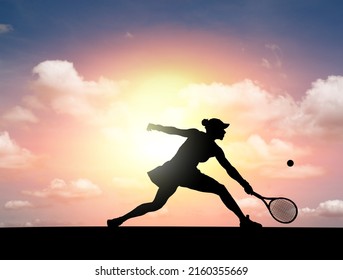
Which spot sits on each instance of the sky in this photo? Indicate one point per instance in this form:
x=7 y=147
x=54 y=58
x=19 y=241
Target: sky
x=81 y=80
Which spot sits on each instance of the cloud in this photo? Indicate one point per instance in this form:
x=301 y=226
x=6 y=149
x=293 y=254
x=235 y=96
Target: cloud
x=17 y=204
x=256 y=152
x=273 y=150
x=277 y=53
x=329 y=208
x=266 y=63
x=12 y=155
x=20 y=114
x=102 y=103
x=5 y=28
x=249 y=202
x=33 y=102
x=128 y=35
x=58 y=85
x=269 y=119
x=245 y=103
x=37 y=222
x=245 y=97
x=319 y=113
x=58 y=188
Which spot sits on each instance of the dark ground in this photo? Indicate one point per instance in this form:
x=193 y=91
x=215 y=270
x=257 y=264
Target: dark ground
x=170 y=243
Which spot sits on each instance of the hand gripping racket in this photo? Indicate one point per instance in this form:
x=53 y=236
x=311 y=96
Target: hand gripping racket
x=282 y=209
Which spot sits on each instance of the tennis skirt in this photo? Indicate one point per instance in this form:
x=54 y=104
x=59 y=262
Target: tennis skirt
x=172 y=174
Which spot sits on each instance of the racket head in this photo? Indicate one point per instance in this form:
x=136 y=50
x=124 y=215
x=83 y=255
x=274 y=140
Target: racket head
x=282 y=209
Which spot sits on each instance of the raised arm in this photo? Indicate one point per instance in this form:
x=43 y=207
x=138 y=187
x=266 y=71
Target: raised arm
x=171 y=129
x=232 y=171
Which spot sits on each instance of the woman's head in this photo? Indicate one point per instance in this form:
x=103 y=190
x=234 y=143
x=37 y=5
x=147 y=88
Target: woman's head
x=215 y=127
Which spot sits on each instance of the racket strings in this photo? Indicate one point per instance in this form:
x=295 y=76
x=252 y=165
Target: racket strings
x=283 y=210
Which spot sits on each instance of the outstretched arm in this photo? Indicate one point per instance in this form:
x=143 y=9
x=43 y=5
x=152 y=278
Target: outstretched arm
x=171 y=129
x=232 y=171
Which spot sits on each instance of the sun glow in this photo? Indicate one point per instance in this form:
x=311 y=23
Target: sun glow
x=157 y=91
x=158 y=147
x=155 y=102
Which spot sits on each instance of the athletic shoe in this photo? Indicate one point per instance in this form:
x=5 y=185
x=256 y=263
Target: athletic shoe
x=114 y=223
x=247 y=223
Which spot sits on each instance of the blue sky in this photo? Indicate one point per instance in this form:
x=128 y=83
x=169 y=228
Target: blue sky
x=39 y=29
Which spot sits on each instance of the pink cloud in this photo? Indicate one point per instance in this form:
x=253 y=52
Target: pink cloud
x=20 y=114
x=12 y=155
x=58 y=188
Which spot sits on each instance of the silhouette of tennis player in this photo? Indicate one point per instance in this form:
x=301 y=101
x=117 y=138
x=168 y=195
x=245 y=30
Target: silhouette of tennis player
x=182 y=170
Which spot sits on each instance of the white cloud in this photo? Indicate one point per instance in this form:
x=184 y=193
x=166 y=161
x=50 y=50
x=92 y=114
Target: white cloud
x=244 y=102
x=276 y=148
x=17 y=204
x=250 y=202
x=262 y=115
x=5 y=28
x=12 y=155
x=60 y=86
x=255 y=148
x=20 y=114
x=59 y=75
x=329 y=208
x=58 y=188
x=319 y=113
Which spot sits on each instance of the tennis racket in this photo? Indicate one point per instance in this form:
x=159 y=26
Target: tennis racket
x=282 y=209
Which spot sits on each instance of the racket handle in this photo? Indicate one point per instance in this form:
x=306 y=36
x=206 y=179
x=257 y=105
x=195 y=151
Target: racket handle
x=257 y=195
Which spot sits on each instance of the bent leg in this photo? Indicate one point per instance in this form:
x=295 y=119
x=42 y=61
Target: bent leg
x=160 y=199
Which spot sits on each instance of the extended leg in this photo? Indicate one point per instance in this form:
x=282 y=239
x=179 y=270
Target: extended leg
x=160 y=199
